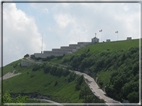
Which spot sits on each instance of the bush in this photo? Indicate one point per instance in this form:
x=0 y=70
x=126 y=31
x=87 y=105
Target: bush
x=33 y=56
x=133 y=97
x=36 y=67
x=20 y=99
x=46 y=69
x=80 y=80
x=27 y=55
x=72 y=77
x=56 y=83
x=32 y=76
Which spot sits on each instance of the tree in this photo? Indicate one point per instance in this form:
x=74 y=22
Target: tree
x=71 y=77
x=65 y=72
x=130 y=87
x=59 y=72
x=135 y=68
x=133 y=97
x=80 y=80
x=7 y=98
x=20 y=99
x=56 y=83
x=36 y=67
x=27 y=55
x=101 y=84
x=33 y=56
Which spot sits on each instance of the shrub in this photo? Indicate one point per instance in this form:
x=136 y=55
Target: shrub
x=27 y=55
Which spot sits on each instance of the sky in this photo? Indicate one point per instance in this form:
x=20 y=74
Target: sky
x=61 y=24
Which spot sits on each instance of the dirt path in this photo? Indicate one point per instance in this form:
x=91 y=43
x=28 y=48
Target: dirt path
x=10 y=75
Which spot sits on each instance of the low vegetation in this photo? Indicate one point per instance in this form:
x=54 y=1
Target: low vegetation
x=114 y=64
x=54 y=82
x=117 y=70
x=19 y=99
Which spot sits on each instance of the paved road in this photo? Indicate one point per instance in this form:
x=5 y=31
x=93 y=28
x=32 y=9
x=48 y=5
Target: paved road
x=50 y=101
x=91 y=83
x=97 y=91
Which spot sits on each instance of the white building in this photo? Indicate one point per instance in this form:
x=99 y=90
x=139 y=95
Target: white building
x=108 y=40
x=65 y=49
x=95 y=40
x=129 y=38
x=26 y=63
x=82 y=44
x=56 y=49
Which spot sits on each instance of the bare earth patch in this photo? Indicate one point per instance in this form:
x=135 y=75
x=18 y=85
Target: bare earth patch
x=9 y=75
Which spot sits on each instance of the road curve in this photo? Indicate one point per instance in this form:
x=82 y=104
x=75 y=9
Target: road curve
x=50 y=101
x=96 y=89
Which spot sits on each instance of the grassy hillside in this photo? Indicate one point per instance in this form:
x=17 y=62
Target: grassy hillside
x=110 y=46
x=115 y=64
x=96 y=49
x=54 y=82
x=10 y=67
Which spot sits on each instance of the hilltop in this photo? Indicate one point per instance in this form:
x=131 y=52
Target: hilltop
x=115 y=65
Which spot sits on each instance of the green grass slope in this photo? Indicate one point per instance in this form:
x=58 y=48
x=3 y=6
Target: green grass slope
x=46 y=80
x=110 y=46
x=38 y=81
x=11 y=67
x=116 y=64
x=98 y=48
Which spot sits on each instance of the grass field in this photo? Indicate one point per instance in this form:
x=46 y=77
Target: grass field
x=37 y=81
x=110 y=46
x=98 y=48
x=10 y=67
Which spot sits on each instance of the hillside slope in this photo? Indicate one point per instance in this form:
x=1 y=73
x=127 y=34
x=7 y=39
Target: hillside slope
x=114 y=64
x=49 y=81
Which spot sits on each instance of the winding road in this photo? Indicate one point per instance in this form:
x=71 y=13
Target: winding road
x=90 y=82
x=97 y=91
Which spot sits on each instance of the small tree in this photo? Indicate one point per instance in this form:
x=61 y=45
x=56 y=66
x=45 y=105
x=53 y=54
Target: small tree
x=20 y=99
x=7 y=98
x=27 y=55
x=56 y=83
x=101 y=84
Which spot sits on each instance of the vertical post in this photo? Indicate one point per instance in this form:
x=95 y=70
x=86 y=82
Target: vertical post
x=42 y=44
x=79 y=38
x=116 y=35
x=95 y=34
x=100 y=35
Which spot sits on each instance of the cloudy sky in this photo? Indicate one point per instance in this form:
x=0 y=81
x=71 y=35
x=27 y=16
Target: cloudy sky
x=62 y=24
